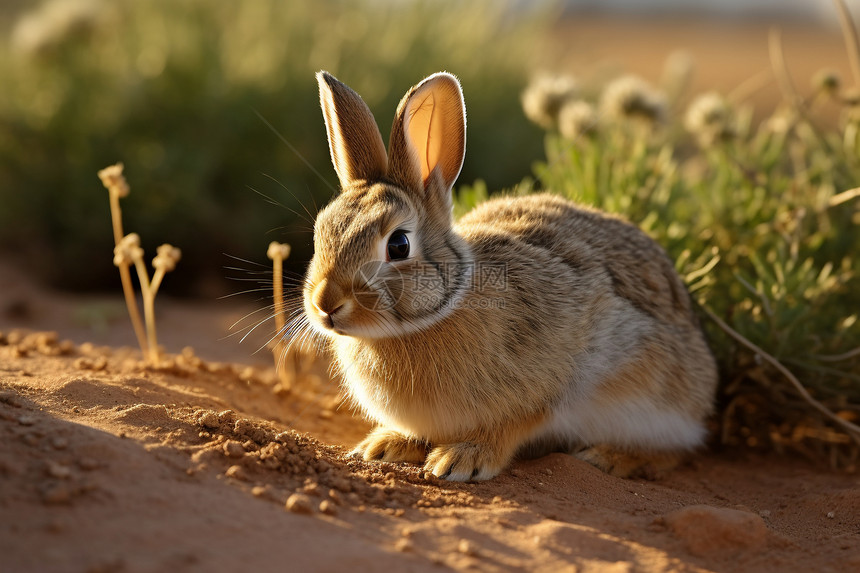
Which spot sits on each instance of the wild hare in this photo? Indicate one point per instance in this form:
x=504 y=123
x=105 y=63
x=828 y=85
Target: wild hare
x=531 y=325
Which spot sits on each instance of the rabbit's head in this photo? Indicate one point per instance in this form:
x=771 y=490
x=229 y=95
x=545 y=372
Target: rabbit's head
x=386 y=261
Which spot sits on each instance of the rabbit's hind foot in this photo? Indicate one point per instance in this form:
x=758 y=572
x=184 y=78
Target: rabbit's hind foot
x=624 y=464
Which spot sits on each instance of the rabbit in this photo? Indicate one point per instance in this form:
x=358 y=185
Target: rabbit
x=530 y=325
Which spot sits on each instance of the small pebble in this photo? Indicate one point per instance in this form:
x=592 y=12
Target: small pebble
x=327 y=507
x=299 y=503
x=58 y=471
x=209 y=420
x=403 y=545
x=59 y=442
x=233 y=449
x=708 y=531
x=466 y=548
x=26 y=420
x=236 y=472
x=547 y=471
x=831 y=514
x=99 y=363
x=88 y=464
x=258 y=491
x=311 y=488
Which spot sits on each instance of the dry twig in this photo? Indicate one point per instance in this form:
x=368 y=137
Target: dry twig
x=852 y=430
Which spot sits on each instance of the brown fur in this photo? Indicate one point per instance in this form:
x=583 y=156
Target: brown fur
x=482 y=342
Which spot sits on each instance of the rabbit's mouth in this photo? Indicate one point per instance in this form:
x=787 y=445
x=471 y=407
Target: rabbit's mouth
x=328 y=317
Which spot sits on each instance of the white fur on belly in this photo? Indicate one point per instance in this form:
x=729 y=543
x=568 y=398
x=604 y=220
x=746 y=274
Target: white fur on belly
x=629 y=424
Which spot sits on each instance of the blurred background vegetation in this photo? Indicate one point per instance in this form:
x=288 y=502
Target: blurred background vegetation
x=182 y=92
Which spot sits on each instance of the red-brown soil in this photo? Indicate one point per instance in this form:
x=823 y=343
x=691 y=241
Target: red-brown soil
x=205 y=463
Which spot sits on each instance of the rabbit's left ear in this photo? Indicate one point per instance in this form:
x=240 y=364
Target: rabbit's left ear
x=428 y=137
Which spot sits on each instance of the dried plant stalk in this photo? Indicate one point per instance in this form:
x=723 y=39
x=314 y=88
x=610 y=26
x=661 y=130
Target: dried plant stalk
x=852 y=44
x=278 y=253
x=113 y=179
x=780 y=70
x=127 y=252
x=164 y=261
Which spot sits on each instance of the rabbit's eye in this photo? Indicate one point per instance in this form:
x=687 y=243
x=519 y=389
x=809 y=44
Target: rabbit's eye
x=398 y=246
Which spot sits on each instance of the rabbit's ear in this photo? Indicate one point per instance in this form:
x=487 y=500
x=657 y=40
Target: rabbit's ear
x=357 y=151
x=428 y=137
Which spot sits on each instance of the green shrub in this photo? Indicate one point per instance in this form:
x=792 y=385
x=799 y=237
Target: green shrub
x=765 y=227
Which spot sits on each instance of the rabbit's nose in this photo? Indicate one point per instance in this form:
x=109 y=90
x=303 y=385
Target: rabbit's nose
x=328 y=298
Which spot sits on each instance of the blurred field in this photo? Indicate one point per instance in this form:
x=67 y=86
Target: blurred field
x=177 y=91
x=208 y=103
x=724 y=53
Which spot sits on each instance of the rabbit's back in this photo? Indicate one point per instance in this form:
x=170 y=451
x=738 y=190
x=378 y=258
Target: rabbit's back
x=591 y=243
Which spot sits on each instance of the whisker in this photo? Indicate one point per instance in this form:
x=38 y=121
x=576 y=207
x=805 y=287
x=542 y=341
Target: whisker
x=294 y=150
x=273 y=202
x=293 y=227
x=284 y=187
x=247 y=261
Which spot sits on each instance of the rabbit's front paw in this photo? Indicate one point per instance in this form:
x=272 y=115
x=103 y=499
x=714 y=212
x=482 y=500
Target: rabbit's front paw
x=382 y=444
x=465 y=461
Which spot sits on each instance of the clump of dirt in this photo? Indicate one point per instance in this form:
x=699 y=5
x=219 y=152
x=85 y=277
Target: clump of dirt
x=278 y=464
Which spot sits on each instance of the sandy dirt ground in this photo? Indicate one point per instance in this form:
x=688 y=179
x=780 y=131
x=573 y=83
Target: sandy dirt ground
x=208 y=464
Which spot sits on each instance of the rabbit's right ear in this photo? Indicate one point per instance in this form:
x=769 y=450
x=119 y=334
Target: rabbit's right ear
x=357 y=151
